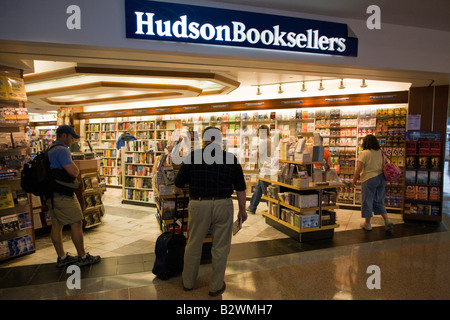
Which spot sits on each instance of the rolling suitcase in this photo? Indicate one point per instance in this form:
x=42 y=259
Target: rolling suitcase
x=169 y=249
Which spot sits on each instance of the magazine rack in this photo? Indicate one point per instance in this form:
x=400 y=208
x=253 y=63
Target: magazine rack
x=16 y=216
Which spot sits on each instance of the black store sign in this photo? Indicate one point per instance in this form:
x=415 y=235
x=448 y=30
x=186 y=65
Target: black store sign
x=153 y=20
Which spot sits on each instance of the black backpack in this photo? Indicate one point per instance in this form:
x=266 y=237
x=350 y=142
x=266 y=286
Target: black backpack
x=36 y=177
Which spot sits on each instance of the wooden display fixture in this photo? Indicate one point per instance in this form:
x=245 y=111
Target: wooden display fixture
x=293 y=223
x=89 y=193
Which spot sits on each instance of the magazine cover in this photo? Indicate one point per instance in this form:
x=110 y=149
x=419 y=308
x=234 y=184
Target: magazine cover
x=6 y=198
x=10 y=223
x=24 y=220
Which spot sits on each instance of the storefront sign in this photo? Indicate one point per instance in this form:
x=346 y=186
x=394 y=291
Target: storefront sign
x=154 y=20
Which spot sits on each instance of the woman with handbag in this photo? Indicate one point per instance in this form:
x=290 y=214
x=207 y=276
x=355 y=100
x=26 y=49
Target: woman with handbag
x=369 y=168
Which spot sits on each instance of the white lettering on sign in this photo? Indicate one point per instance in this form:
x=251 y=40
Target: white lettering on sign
x=237 y=32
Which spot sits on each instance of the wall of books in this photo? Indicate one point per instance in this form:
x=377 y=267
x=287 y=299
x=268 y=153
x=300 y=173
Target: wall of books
x=342 y=129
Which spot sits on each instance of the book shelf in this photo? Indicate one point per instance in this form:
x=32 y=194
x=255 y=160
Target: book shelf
x=343 y=131
x=304 y=212
x=103 y=135
x=424 y=176
x=17 y=236
x=138 y=158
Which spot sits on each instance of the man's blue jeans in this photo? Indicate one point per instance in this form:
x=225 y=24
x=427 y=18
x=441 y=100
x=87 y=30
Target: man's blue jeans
x=260 y=189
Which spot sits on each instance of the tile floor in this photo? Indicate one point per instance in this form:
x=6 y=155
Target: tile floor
x=263 y=264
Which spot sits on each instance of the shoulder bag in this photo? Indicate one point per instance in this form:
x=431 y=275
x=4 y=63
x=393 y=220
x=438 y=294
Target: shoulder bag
x=390 y=170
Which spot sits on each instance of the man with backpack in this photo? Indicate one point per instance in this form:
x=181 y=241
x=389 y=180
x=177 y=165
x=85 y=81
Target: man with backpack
x=63 y=206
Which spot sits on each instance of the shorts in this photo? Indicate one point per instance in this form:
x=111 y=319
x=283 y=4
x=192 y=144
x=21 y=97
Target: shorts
x=65 y=209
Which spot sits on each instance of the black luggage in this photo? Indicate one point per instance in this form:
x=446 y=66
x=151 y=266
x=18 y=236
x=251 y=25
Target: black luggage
x=169 y=249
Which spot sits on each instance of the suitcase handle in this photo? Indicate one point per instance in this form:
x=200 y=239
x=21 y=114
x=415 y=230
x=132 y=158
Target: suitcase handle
x=176 y=212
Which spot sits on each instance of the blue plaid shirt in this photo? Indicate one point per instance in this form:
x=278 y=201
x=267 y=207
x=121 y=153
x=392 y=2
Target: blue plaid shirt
x=211 y=180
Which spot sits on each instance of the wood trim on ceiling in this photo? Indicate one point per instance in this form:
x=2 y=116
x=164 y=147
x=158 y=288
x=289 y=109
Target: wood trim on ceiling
x=168 y=90
x=228 y=83
x=292 y=103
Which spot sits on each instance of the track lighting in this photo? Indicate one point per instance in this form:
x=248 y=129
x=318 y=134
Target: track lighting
x=280 y=90
x=342 y=84
x=303 y=87
x=321 y=86
x=258 y=92
x=363 y=85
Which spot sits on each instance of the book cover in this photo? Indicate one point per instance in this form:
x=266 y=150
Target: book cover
x=4 y=248
x=422 y=177
x=6 y=198
x=435 y=193
x=16 y=89
x=435 y=178
x=237 y=225
x=5 y=141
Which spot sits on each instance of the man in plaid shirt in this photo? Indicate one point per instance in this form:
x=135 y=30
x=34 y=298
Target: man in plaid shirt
x=212 y=175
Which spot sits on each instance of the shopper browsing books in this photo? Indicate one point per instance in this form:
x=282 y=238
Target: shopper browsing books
x=268 y=165
x=212 y=175
x=64 y=207
x=128 y=135
x=369 y=168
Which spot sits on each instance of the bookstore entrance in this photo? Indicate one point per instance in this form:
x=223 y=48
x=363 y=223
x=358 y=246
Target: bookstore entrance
x=106 y=82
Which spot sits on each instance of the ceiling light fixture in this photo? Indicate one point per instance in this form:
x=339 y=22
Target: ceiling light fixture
x=364 y=85
x=321 y=86
x=303 y=87
x=280 y=90
x=341 y=86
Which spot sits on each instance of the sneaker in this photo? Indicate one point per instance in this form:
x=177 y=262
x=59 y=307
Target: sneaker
x=88 y=260
x=218 y=292
x=366 y=226
x=389 y=226
x=60 y=263
x=250 y=211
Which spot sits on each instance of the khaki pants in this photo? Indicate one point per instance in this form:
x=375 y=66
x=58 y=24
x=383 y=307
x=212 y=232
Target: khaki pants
x=216 y=215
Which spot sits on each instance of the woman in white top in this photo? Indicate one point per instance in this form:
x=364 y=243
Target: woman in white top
x=369 y=168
